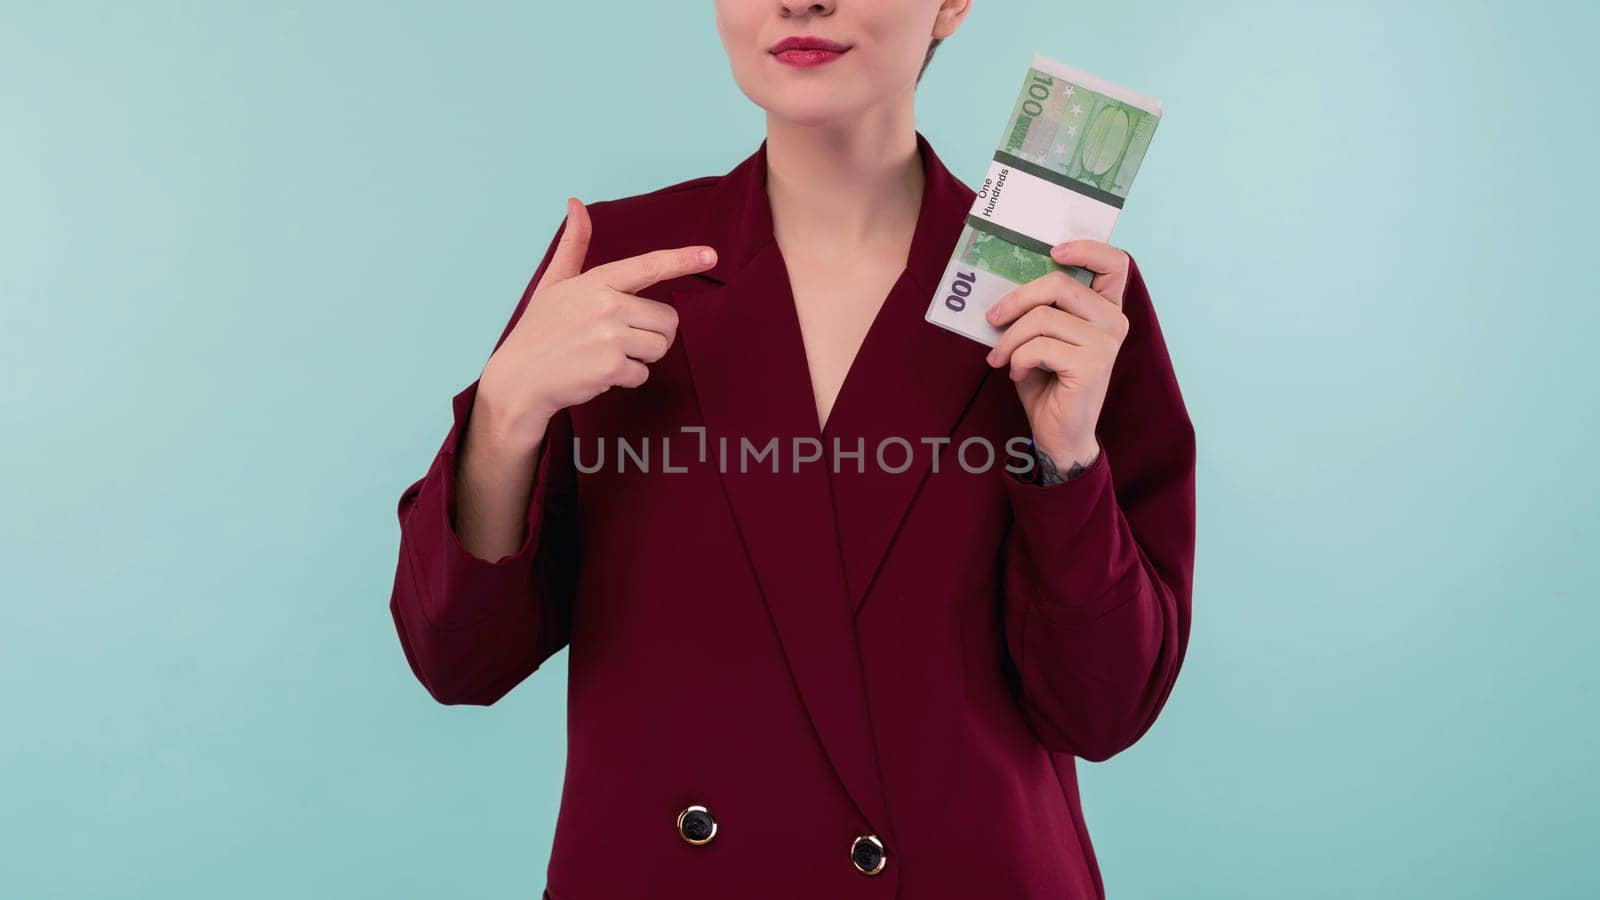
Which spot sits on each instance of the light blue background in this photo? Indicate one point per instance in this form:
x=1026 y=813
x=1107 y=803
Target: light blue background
x=249 y=250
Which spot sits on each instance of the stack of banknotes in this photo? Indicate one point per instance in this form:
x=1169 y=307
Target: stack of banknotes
x=1062 y=171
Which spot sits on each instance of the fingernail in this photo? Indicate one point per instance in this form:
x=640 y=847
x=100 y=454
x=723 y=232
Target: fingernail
x=706 y=256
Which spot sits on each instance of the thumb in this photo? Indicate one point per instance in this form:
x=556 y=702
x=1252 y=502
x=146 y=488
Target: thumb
x=567 y=261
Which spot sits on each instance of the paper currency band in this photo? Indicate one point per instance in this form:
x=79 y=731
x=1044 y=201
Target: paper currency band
x=1054 y=177
x=1009 y=236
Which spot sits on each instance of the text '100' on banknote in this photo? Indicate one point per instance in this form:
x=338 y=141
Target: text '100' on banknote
x=1062 y=171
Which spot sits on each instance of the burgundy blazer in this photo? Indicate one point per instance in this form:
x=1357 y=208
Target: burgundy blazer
x=863 y=683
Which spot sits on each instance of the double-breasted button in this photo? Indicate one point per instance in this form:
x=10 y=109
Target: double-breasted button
x=868 y=855
x=696 y=825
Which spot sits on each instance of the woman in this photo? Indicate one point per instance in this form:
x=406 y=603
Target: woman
x=817 y=647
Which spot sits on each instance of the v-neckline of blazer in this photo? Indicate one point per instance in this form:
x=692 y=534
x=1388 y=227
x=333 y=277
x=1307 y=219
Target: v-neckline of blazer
x=816 y=538
x=909 y=379
x=907 y=294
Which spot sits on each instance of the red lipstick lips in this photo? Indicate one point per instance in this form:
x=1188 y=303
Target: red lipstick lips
x=803 y=51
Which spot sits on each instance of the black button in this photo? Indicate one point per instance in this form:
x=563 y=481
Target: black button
x=868 y=854
x=696 y=825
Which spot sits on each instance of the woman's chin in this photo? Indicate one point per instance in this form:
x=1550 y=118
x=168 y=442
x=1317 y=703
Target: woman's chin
x=810 y=107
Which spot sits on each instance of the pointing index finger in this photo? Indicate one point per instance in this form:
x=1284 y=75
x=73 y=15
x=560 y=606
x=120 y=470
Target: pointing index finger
x=635 y=273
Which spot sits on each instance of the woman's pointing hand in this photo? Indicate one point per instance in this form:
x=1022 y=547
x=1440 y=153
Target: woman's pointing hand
x=582 y=333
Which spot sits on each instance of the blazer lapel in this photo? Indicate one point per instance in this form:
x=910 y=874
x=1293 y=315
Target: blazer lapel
x=814 y=539
x=908 y=386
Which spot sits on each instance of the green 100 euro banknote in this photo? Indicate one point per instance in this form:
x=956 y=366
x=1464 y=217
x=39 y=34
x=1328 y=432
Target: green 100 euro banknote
x=1062 y=171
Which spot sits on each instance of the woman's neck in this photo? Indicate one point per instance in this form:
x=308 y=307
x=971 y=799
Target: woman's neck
x=841 y=193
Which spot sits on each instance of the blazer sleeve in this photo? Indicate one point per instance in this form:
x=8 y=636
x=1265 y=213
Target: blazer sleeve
x=472 y=629
x=1098 y=570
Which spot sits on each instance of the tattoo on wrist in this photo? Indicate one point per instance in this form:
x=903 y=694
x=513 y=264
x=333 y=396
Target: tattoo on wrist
x=1049 y=473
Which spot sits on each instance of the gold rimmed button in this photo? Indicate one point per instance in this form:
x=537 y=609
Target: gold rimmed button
x=868 y=855
x=696 y=825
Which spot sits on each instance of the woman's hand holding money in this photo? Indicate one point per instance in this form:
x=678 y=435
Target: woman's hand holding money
x=1060 y=340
